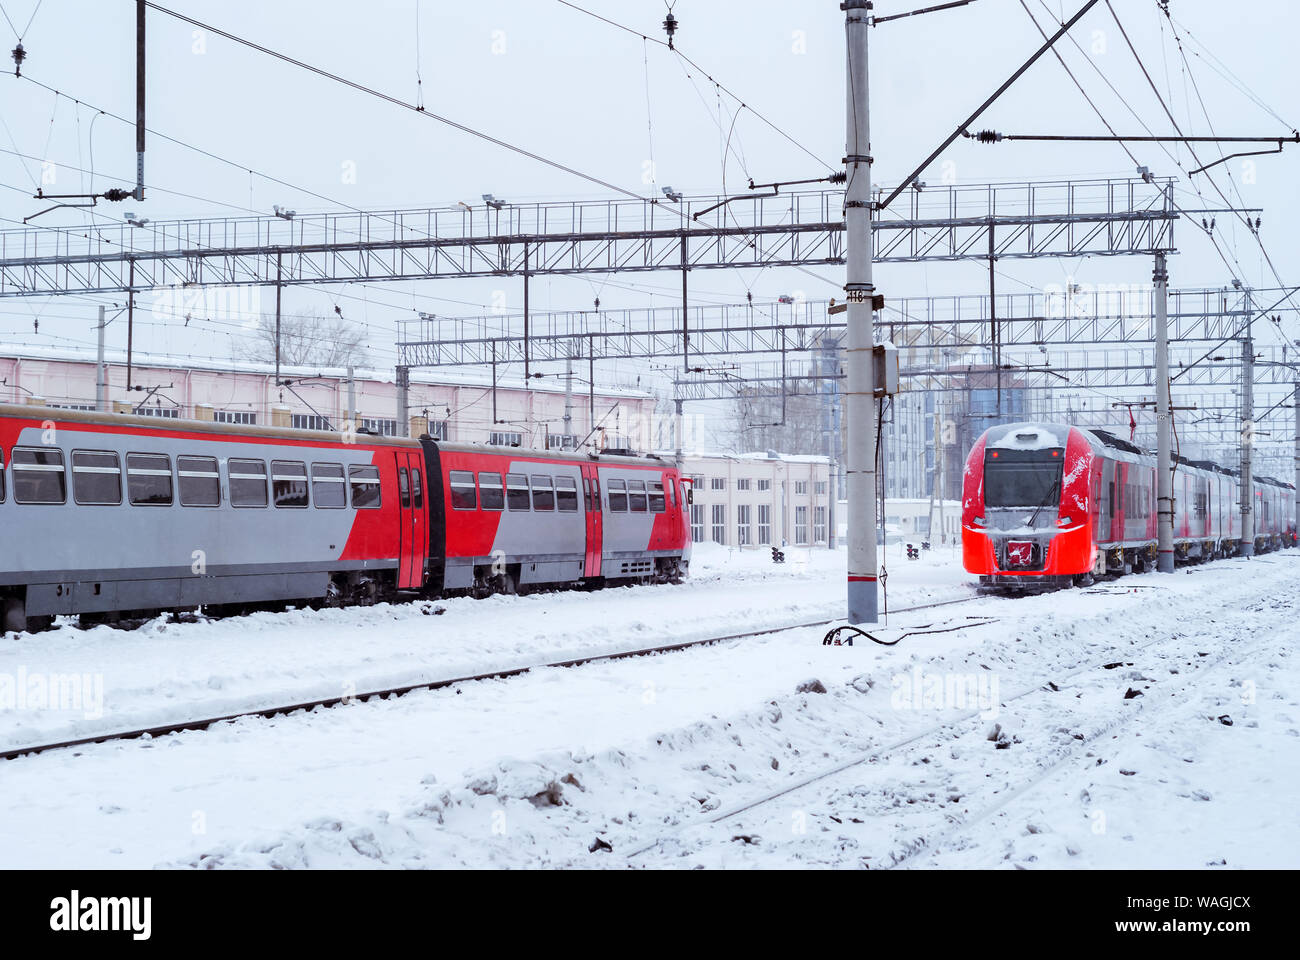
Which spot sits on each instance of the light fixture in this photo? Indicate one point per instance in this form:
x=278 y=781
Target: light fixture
x=493 y=202
x=672 y=194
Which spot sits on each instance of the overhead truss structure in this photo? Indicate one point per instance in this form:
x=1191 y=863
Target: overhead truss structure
x=941 y=324
x=495 y=239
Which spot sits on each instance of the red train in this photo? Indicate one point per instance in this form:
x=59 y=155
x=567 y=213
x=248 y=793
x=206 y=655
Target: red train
x=1047 y=505
x=111 y=516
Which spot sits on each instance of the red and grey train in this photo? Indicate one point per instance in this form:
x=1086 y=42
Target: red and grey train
x=1046 y=505
x=110 y=516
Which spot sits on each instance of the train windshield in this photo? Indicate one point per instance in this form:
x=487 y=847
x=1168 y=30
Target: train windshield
x=1012 y=480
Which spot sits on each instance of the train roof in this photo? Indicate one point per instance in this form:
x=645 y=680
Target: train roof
x=33 y=412
x=619 y=458
x=1110 y=440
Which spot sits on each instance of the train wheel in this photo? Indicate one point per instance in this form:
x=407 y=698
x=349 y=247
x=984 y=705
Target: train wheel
x=15 y=615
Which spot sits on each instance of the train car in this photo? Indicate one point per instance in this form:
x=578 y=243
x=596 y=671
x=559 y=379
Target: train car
x=516 y=518
x=112 y=516
x=1047 y=505
x=109 y=516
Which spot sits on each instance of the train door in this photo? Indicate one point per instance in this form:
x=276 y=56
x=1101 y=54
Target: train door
x=595 y=520
x=411 y=537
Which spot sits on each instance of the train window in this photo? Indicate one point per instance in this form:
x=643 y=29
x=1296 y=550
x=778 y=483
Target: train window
x=566 y=494
x=657 y=496
x=365 y=487
x=149 y=479
x=2 y=478
x=463 y=496
x=199 y=482
x=417 y=489
x=492 y=496
x=96 y=477
x=618 y=496
x=543 y=493
x=328 y=488
x=289 y=483
x=516 y=491
x=671 y=487
x=39 y=476
x=247 y=483
x=403 y=487
x=636 y=496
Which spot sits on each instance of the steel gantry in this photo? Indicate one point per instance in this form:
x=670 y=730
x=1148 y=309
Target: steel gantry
x=1068 y=218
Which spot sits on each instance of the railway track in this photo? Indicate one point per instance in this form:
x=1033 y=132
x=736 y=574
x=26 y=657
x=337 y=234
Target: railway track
x=959 y=726
x=160 y=730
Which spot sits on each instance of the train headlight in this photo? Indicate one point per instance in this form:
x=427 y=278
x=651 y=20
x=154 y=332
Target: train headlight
x=980 y=522
x=1065 y=522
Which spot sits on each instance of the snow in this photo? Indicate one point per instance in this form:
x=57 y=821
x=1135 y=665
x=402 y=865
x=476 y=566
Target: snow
x=628 y=763
x=1026 y=436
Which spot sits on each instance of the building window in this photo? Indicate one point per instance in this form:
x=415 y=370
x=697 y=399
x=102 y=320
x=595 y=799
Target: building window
x=801 y=488
x=742 y=483
x=742 y=525
x=302 y=421
x=819 y=524
x=720 y=523
x=89 y=407
x=498 y=439
x=561 y=441
x=697 y=522
x=764 y=485
x=801 y=526
x=717 y=483
x=437 y=429
x=765 y=523
x=822 y=486
x=383 y=428
x=246 y=417
x=167 y=413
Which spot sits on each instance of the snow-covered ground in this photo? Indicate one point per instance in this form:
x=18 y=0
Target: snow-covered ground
x=1167 y=737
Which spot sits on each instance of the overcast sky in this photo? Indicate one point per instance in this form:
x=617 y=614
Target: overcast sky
x=557 y=82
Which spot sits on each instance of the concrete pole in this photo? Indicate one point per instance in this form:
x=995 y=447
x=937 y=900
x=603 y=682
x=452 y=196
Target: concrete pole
x=351 y=415
x=860 y=451
x=1246 y=548
x=1296 y=401
x=677 y=431
x=1164 y=424
x=101 y=379
x=404 y=402
x=568 y=400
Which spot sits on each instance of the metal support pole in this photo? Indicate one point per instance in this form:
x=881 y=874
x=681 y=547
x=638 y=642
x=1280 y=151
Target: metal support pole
x=139 y=99
x=1164 y=424
x=527 y=345
x=860 y=452
x=403 y=401
x=686 y=332
x=130 y=326
x=101 y=380
x=1246 y=548
x=994 y=332
x=277 y=319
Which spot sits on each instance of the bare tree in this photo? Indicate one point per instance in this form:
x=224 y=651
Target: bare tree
x=763 y=422
x=306 y=340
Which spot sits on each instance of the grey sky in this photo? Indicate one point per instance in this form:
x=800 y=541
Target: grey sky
x=562 y=84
